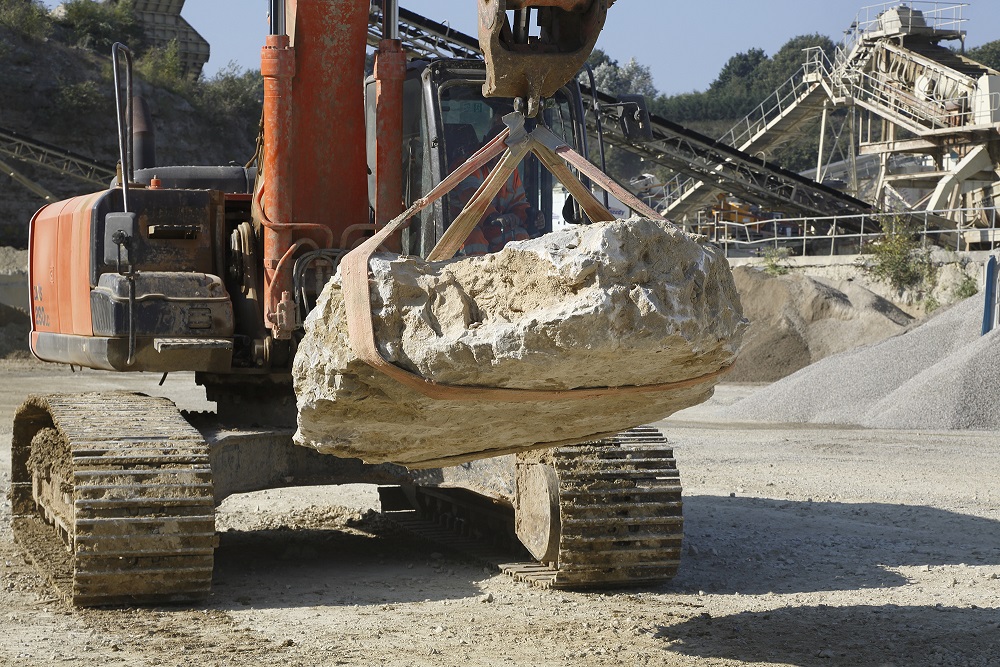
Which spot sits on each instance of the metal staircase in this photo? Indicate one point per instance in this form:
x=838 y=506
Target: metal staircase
x=921 y=98
x=797 y=101
x=918 y=96
x=891 y=65
x=771 y=124
x=751 y=178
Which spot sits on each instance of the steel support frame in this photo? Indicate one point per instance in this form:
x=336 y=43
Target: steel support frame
x=743 y=177
x=49 y=157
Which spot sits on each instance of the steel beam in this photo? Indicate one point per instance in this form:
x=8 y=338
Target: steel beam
x=55 y=159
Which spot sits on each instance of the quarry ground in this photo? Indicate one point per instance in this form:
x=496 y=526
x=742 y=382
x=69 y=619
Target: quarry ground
x=805 y=546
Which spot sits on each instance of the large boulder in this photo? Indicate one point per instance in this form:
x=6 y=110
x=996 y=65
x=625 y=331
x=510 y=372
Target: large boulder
x=617 y=304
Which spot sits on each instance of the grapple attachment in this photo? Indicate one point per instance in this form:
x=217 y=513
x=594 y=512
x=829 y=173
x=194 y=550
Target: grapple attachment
x=530 y=67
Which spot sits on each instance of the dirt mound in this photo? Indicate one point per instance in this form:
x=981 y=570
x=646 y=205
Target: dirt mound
x=796 y=320
x=15 y=325
x=939 y=375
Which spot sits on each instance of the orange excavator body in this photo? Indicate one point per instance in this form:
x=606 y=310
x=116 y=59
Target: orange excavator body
x=310 y=193
x=212 y=269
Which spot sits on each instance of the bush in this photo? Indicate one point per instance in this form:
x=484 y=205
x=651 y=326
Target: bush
x=161 y=67
x=96 y=25
x=897 y=257
x=773 y=258
x=930 y=305
x=968 y=286
x=26 y=17
x=80 y=99
x=232 y=94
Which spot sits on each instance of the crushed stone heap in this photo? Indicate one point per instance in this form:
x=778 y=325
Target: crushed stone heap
x=615 y=304
x=941 y=375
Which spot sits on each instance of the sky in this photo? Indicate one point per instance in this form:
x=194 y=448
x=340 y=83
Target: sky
x=684 y=44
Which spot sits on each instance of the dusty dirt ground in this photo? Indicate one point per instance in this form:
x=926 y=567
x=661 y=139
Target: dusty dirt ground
x=805 y=546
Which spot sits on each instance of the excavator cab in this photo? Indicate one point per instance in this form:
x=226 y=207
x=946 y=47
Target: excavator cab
x=445 y=119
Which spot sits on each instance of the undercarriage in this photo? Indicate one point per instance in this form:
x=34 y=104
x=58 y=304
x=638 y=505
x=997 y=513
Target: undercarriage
x=113 y=514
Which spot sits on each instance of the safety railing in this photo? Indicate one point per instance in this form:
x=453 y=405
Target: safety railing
x=936 y=16
x=779 y=103
x=847 y=235
x=921 y=114
x=844 y=76
x=786 y=97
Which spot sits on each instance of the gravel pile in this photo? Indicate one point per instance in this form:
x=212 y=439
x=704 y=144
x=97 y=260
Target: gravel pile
x=939 y=375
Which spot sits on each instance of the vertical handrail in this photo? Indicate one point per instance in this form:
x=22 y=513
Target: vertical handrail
x=993 y=228
x=124 y=115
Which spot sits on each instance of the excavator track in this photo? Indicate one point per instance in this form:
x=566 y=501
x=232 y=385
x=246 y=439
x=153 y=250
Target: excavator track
x=619 y=514
x=112 y=497
x=619 y=517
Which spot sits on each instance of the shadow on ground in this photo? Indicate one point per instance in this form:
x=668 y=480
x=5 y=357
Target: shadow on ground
x=878 y=635
x=756 y=546
x=278 y=568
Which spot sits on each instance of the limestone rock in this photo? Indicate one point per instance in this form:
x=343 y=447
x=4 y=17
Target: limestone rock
x=622 y=303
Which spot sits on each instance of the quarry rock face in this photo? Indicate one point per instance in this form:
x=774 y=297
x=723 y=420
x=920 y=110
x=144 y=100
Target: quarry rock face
x=614 y=304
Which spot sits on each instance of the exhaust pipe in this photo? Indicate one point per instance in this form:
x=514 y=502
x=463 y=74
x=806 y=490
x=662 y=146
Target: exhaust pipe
x=143 y=137
x=277 y=15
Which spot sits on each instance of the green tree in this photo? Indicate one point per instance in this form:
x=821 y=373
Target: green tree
x=25 y=17
x=738 y=71
x=233 y=97
x=988 y=54
x=628 y=79
x=98 y=25
x=162 y=67
x=746 y=80
x=786 y=62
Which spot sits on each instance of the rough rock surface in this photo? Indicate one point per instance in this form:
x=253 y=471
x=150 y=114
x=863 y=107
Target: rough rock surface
x=635 y=302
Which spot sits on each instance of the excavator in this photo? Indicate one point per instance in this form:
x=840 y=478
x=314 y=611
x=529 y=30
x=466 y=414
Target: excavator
x=213 y=269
